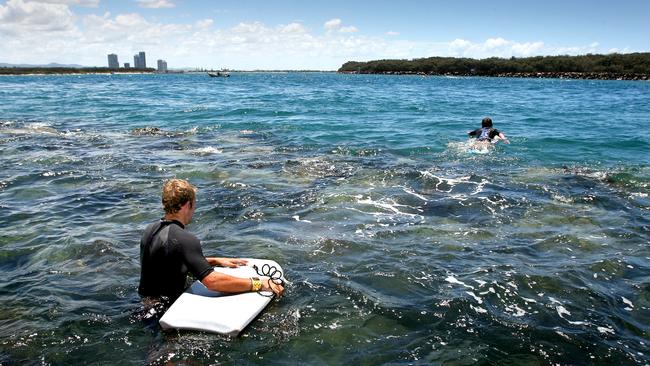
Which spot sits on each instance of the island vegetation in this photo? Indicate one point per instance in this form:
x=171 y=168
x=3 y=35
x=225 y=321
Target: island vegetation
x=67 y=70
x=632 y=66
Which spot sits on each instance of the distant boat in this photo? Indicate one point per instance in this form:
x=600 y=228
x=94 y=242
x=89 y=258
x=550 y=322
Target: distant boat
x=219 y=74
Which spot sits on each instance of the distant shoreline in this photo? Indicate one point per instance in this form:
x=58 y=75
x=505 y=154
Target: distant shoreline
x=13 y=71
x=534 y=75
x=631 y=66
x=70 y=71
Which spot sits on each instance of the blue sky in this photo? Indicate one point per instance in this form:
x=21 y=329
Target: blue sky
x=310 y=34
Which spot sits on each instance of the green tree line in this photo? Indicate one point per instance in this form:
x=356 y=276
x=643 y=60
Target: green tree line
x=630 y=64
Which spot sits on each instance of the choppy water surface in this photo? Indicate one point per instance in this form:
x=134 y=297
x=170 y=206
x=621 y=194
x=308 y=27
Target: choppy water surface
x=402 y=245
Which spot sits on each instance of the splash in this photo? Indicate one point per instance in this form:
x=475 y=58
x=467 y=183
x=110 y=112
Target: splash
x=203 y=151
x=470 y=147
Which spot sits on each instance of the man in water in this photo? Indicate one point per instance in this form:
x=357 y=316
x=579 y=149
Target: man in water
x=486 y=134
x=168 y=252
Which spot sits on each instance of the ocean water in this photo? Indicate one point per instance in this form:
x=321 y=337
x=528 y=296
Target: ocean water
x=401 y=243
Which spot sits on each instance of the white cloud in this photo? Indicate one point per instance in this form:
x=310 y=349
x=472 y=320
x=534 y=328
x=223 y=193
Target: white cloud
x=459 y=44
x=493 y=43
x=295 y=28
x=205 y=23
x=336 y=25
x=332 y=24
x=18 y=17
x=155 y=4
x=392 y=33
x=35 y=31
x=349 y=29
x=527 y=49
x=618 y=50
x=575 y=50
x=492 y=47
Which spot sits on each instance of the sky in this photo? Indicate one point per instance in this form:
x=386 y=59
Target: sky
x=313 y=35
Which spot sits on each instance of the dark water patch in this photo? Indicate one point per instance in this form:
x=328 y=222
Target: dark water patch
x=90 y=252
x=543 y=301
x=14 y=256
x=470 y=211
x=253 y=135
x=157 y=131
x=317 y=168
x=263 y=164
x=611 y=269
x=252 y=112
x=571 y=242
x=359 y=152
x=630 y=179
x=77 y=341
x=422 y=235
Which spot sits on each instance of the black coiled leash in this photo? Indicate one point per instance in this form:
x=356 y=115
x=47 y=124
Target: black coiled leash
x=273 y=273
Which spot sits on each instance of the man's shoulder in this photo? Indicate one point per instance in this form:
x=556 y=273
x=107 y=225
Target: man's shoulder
x=151 y=227
x=181 y=234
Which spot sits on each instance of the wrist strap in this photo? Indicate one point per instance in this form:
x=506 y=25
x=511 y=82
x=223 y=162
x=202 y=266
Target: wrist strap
x=256 y=284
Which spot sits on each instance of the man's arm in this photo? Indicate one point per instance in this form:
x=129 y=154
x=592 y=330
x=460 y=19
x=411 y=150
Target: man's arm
x=226 y=262
x=222 y=282
x=217 y=281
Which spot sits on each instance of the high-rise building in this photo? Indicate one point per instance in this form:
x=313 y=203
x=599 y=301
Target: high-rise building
x=127 y=65
x=143 y=60
x=112 y=61
x=162 y=66
x=140 y=61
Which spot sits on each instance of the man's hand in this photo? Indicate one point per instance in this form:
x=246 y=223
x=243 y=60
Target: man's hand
x=269 y=285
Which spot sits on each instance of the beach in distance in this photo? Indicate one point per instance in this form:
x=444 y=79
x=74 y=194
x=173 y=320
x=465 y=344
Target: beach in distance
x=401 y=244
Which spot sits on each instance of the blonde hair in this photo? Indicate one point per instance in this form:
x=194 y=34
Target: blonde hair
x=176 y=193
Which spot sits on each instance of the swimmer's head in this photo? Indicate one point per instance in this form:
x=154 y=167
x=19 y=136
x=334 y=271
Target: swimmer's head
x=486 y=122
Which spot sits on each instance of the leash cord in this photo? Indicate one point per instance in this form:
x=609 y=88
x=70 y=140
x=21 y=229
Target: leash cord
x=273 y=273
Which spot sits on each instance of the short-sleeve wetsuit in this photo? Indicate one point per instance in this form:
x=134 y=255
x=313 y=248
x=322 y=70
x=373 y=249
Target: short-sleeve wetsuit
x=478 y=133
x=167 y=254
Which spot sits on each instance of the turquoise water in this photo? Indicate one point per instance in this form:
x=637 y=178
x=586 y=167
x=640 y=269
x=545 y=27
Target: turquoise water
x=402 y=245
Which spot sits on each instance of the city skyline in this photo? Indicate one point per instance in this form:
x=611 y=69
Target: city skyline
x=139 y=62
x=297 y=35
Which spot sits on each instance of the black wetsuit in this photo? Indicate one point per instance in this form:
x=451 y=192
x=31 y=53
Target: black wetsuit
x=167 y=254
x=491 y=133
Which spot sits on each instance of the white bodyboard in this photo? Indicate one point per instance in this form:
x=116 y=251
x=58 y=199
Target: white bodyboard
x=201 y=309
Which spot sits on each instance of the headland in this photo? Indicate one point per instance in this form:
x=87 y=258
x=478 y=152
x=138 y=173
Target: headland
x=632 y=66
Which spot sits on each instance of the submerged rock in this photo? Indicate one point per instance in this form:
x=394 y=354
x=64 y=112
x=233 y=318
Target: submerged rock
x=155 y=131
x=147 y=131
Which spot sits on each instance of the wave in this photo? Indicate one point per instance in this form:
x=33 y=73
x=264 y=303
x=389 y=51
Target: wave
x=208 y=150
x=31 y=128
